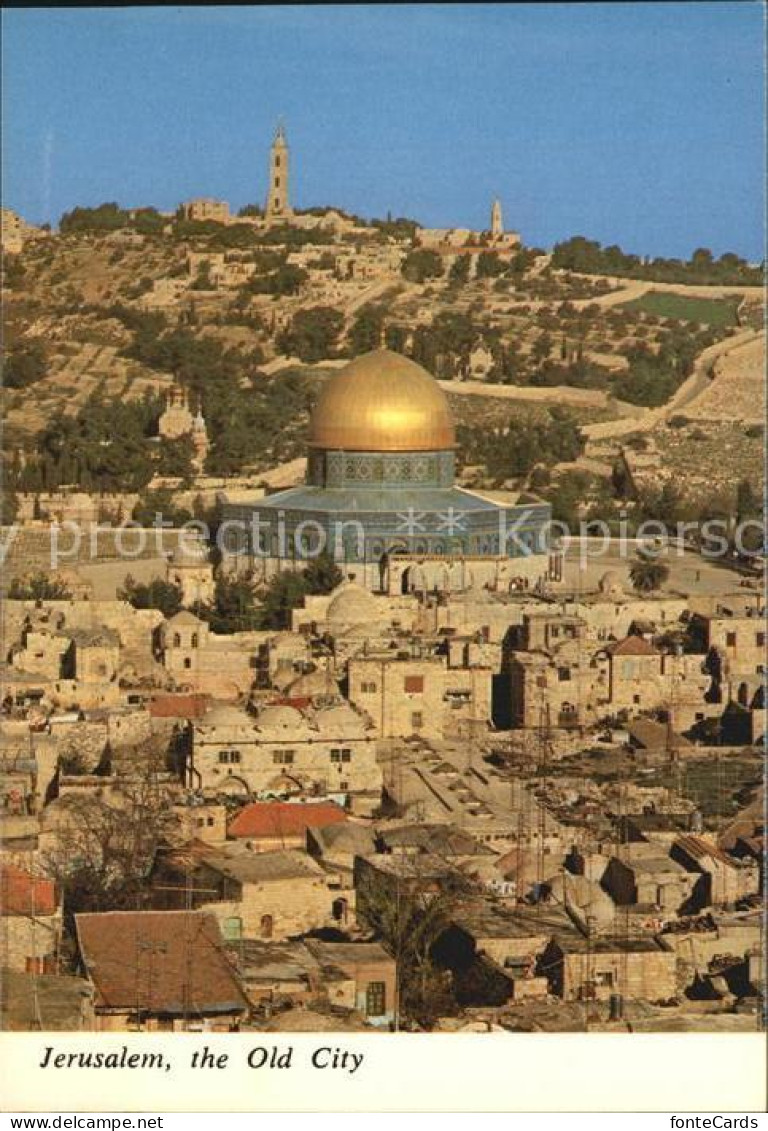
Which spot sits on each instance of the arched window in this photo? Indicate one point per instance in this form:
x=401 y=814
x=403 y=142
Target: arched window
x=267 y=926
x=177 y=640
x=195 y=640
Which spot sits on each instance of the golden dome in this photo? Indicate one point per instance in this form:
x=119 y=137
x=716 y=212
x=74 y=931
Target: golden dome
x=382 y=402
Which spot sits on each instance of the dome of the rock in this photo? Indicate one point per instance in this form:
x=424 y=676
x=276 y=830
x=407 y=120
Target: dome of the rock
x=382 y=402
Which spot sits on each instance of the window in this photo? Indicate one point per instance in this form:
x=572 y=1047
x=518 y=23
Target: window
x=277 y=160
x=233 y=928
x=627 y=669
x=176 y=640
x=267 y=926
x=417 y=720
x=375 y=999
x=282 y=757
x=635 y=698
x=563 y=674
x=195 y=640
x=368 y=688
x=760 y=639
x=414 y=684
x=341 y=755
x=229 y=756
x=730 y=639
x=277 y=182
x=604 y=978
x=187 y=662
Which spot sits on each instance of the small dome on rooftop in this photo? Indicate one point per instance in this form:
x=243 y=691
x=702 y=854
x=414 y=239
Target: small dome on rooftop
x=351 y=604
x=610 y=582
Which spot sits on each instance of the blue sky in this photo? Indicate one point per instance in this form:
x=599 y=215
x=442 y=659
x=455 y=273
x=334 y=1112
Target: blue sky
x=637 y=123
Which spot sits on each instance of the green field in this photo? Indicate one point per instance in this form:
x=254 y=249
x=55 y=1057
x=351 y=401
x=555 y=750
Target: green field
x=717 y=312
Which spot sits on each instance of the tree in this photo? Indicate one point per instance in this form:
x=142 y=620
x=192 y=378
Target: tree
x=459 y=269
x=409 y=913
x=288 y=279
x=367 y=329
x=106 y=218
x=313 y=333
x=647 y=573
x=283 y=594
x=422 y=264
x=104 y=846
x=39 y=587
x=176 y=459
x=234 y=607
x=322 y=575
x=489 y=266
x=157 y=594
x=25 y=364
x=542 y=348
x=160 y=502
x=748 y=503
x=14 y=272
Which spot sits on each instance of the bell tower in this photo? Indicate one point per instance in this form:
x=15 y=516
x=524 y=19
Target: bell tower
x=278 y=206
x=497 y=221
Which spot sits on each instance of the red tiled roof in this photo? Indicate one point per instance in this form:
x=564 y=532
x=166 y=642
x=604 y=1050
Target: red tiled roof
x=632 y=646
x=178 y=706
x=23 y=894
x=170 y=962
x=283 y=818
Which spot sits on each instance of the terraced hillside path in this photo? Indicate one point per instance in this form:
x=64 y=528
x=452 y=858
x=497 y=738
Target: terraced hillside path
x=692 y=388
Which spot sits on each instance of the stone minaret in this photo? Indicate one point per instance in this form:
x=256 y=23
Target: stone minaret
x=278 y=206
x=497 y=220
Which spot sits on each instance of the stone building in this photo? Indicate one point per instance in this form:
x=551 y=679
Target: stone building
x=199 y=660
x=740 y=643
x=159 y=971
x=285 y=751
x=562 y=677
x=205 y=209
x=724 y=880
x=272 y=825
x=410 y=694
x=646 y=876
x=584 y=969
x=178 y=420
x=253 y=895
x=14 y=231
x=48 y=1002
x=190 y=569
x=360 y=976
x=30 y=921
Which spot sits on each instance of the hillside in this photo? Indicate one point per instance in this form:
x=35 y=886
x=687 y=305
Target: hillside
x=250 y=325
